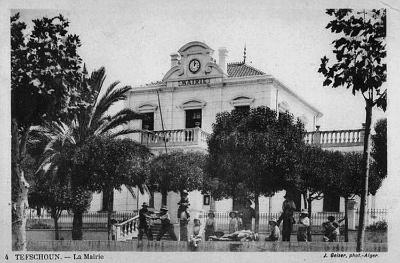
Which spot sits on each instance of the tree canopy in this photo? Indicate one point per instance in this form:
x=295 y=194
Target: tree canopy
x=46 y=71
x=111 y=163
x=252 y=154
x=379 y=148
x=360 y=52
x=177 y=171
x=255 y=149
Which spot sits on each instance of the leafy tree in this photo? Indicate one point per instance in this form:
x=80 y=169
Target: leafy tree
x=46 y=78
x=254 y=151
x=379 y=148
x=312 y=174
x=360 y=66
x=177 y=171
x=92 y=119
x=348 y=178
x=111 y=163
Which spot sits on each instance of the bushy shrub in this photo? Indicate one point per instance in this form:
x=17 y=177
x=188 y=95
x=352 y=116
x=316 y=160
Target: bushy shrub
x=378 y=226
x=39 y=225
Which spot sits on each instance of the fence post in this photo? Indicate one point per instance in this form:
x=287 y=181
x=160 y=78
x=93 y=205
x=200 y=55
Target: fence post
x=351 y=213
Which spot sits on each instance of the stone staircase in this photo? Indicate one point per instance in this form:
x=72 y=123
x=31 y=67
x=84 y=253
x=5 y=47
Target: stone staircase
x=128 y=230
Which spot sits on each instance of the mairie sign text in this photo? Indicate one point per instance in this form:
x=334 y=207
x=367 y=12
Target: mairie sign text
x=193 y=82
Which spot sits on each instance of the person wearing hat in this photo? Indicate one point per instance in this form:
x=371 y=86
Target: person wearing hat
x=248 y=213
x=304 y=224
x=183 y=202
x=233 y=223
x=275 y=232
x=331 y=229
x=288 y=208
x=210 y=226
x=144 y=228
x=184 y=218
x=166 y=226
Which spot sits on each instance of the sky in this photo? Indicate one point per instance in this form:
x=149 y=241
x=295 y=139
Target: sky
x=134 y=40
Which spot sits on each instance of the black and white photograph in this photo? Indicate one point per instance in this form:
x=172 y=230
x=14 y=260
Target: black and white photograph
x=159 y=127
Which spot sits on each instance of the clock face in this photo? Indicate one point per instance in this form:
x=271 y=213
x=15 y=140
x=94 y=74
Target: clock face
x=194 y=65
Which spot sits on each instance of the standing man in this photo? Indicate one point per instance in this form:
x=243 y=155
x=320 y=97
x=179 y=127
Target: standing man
x=144 y=228
x=247 y=216
x=288 y=208
x=184 y=219
x=166 y=226
x=183 y=202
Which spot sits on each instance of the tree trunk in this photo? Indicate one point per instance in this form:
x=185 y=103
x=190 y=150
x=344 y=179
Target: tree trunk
x=346 y=220
x=364 y=193
x=109 y=211
x=212 y=203
x=18 y=149
x=309 y=200
x=257 y=210
x=164 y=195
x=77 y=225
x=56 y=231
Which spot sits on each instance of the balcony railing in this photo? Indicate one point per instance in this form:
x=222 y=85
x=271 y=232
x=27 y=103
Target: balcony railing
x=335 y=138
x=181 y=137
x=198 y=137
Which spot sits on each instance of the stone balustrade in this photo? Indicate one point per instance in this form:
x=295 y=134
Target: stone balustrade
x=180 y=137
x=335 y=138
x=198 y=137
x=128 y=229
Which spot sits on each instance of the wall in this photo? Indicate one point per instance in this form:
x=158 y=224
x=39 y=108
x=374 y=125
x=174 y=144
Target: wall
x=173 y=246
x=217 y=99
x=296 y=107
x=66 y=234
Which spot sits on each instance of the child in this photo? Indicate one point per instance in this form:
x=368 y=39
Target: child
x=233 y=223
x=196 y=237
x=210 y=226
x=275 y=232
x=304 y=224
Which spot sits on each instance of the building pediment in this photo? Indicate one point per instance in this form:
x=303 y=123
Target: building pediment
x=193 y=65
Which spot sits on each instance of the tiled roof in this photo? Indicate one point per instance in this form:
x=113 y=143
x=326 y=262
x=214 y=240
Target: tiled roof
x=240 y=69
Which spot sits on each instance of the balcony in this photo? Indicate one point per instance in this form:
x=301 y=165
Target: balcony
x=336 y=138
x=197 y=138
x=192 y=137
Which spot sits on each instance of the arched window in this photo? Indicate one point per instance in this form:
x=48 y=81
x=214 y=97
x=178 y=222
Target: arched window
x=241 y=101
x=193 y=104
x=147 y=110
x=193 y=112
x=147 y=107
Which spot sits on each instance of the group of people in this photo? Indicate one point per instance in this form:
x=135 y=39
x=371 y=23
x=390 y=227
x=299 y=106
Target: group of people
x=146 y=217
x=331 y=227
x=240 y=224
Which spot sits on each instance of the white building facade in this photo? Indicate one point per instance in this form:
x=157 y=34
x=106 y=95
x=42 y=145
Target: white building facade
x=183 y=106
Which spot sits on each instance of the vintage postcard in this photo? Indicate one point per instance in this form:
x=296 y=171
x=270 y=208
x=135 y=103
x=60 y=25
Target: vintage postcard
x=166 y=130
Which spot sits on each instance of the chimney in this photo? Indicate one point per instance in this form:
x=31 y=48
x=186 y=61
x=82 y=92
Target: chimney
x=222 y=54
x=174 y=59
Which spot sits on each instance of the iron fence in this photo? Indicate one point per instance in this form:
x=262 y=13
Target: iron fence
x=373 y=216
x=222 y=218
x=89 y=219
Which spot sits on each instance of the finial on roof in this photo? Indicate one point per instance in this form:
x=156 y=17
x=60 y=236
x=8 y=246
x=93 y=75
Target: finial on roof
x=244 y=54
